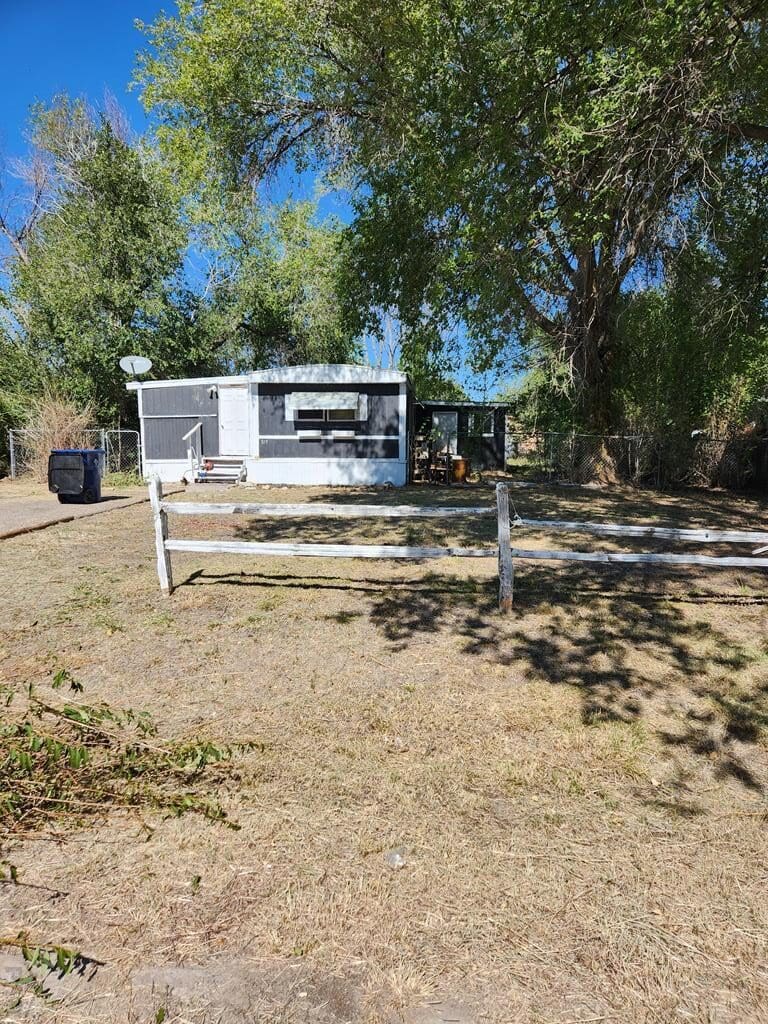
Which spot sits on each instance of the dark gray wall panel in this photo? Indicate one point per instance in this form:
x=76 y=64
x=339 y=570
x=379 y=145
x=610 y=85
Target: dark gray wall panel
x=383 y=408
x=327 y=448
x=485 y=452
x=163 y=437
x=184 y=400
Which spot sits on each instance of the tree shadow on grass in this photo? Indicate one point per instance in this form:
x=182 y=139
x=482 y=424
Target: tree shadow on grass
x=628 y=644
x=627 y=641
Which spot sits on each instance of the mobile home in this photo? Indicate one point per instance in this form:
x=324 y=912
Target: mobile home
x=327 y=424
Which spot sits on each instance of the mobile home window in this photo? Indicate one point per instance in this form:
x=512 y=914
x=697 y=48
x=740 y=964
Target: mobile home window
x=327 y=415
x=326 y=406
x=481 y=424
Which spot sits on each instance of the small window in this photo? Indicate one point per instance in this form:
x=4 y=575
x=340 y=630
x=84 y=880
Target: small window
x=327 y=415
x=342 y=415
x=481 y=424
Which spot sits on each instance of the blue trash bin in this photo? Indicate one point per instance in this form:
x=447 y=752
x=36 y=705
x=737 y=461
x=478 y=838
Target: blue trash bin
x=74 y=474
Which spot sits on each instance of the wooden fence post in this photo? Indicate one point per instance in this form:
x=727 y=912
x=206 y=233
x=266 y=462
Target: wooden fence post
x=161 y=535
x=506 y=569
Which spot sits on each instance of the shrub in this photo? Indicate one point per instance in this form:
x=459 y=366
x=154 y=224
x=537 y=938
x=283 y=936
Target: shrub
x=53 y=421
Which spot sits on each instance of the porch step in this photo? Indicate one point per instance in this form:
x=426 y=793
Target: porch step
x=225 y=469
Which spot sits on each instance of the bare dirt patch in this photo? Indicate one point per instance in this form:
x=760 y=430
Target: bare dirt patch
x=578 y=789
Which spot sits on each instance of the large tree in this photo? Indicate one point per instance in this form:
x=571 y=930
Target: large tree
x=510 y=160
x=692 y=352
x=100 y=274
x=109 y=250
x=272 y=280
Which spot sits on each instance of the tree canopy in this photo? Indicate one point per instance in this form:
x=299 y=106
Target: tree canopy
x=111 y=252
x=101 y=277
x=513 y=164
x=273 y=281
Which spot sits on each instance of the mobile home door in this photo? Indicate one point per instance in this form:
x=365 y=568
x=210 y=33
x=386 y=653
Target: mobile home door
x=233 y=420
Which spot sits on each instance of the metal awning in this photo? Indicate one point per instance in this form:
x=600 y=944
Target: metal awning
x=322 y=400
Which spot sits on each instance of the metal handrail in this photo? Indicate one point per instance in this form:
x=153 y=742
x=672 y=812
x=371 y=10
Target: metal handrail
x=192 y=457
x=189 y=434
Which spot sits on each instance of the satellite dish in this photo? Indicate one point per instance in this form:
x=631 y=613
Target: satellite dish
x=135 y=364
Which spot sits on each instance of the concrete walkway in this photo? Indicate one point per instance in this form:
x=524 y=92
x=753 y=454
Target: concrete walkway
x=22 y=512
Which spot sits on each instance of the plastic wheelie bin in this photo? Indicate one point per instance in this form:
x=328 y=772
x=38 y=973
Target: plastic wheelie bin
x=74 y=474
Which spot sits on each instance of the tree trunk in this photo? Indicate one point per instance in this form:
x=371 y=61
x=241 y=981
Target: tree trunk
x=588 y=340
x=591 y=359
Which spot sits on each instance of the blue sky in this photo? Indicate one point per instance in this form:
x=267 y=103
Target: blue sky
x=84 y=48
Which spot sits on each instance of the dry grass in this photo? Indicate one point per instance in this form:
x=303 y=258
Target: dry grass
x=580 y=787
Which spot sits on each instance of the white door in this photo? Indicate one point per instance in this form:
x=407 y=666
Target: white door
x=446 y=427
x=233 y=420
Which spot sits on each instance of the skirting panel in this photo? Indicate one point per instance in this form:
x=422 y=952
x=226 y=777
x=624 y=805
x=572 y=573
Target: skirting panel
x=306 y=472
x=170 y=471
x=326 y=472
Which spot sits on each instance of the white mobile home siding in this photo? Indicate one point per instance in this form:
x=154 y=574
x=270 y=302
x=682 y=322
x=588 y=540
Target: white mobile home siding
x=282 y=449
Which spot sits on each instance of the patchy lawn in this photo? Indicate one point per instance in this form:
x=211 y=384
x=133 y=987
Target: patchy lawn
x=577 y=790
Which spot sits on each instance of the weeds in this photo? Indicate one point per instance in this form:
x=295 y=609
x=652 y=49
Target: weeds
x=60 y=959
x=54 y=421
x=62 y=676
x=122 y=479
x=41 y=959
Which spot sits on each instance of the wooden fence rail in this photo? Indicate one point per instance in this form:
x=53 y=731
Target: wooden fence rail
x=503 y=551
x=165 y=544
x=306 y=511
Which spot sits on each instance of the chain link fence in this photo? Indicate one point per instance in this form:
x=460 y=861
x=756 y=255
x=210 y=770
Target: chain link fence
x=697 y=460
x=123 y=449
x=28 y=450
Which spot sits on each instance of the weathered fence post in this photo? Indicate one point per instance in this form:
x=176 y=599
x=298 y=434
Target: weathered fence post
x=161 y=535
x=506 y=570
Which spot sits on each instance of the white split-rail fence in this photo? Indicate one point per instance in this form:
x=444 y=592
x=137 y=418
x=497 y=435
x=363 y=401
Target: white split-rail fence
x=504 y=551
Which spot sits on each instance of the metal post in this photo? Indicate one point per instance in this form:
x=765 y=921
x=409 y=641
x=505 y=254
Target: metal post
x=12 y=451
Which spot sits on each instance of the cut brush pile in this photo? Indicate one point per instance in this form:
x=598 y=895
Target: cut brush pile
x=63 y=763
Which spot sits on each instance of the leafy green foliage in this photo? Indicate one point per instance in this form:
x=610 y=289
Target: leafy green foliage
x=273 y=283
x=512 y=163
x=102 y=276
x=693 y=353
x=20 y=373
x=123 y=260
x=60 y=959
